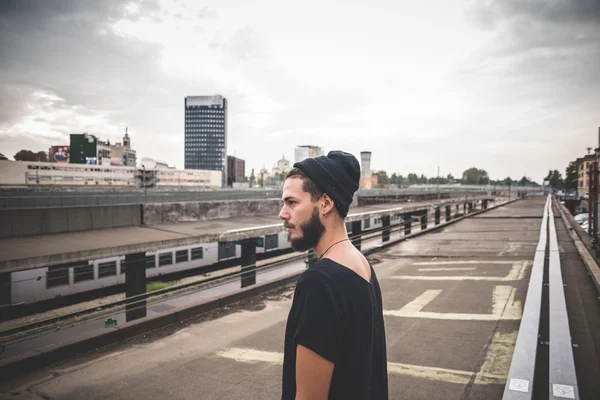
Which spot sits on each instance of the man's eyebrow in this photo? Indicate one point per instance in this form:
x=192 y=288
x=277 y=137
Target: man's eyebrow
x=288 y=199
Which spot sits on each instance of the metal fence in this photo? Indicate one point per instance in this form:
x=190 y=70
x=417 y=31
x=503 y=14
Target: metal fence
x=64 y=198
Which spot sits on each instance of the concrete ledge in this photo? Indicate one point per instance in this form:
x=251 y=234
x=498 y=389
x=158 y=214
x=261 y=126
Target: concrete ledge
x=175 y=212
x=17 y=365
x=584 y=249
x=42 y=221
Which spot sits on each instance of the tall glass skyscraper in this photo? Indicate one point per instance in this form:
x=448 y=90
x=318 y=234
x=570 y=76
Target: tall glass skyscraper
x=206 y=133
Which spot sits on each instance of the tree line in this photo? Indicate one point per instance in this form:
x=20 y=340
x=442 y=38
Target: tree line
x=28 y=155
x=568 y=183
x=471 y=176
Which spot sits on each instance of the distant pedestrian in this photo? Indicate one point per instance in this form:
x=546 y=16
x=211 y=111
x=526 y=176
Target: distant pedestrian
x=335 y=346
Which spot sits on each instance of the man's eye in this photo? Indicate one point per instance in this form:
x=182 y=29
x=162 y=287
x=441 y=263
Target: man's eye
x=290 y=202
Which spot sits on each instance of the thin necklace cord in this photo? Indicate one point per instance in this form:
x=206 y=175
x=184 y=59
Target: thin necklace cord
x=322 y=255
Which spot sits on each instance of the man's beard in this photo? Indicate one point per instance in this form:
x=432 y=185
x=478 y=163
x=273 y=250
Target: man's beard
x=312 y=230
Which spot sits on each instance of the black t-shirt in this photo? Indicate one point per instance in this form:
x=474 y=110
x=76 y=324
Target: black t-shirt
x=338 y=315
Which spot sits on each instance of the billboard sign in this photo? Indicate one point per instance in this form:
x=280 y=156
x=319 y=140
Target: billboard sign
x=60 y=154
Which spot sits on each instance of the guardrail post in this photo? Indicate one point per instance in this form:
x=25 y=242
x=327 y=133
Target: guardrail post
x=407 y=224
x=248 y=262
x=438 y=214
x=385 y=235
x=356 y=233
x=424 y=221
x=135 y=285
x=5 y=295
x=312 y=258
x=448 y=213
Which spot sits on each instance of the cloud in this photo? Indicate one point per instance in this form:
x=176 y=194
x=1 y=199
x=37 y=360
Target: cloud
x=506 y=92
x=544 y=40
x=537 y=69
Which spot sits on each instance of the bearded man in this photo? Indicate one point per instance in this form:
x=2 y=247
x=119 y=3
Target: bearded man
x=335 y=346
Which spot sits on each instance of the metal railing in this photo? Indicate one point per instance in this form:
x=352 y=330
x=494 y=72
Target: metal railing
x=524 y=367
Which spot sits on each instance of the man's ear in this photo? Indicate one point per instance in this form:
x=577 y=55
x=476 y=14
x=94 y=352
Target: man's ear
x=326 y=205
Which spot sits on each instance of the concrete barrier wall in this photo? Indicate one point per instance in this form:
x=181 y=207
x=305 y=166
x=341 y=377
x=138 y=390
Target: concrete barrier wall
x=170 y=213
x=38 y=221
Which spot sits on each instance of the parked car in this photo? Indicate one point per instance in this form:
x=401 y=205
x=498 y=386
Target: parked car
x=582 y=218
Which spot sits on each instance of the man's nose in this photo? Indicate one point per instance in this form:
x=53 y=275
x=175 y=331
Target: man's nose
x=283 y=214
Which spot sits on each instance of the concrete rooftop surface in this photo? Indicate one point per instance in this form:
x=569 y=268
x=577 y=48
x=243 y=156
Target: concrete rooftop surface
x=453 y=301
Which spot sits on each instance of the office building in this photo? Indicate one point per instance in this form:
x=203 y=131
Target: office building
x=304 y=152
x=205 y=144
x=583 y=174
x=236 y=170
x=88 y=149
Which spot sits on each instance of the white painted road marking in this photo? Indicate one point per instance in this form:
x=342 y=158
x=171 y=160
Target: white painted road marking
x=517 y=272
x=447 y=269
x=504 y=307
x=468 y=262
x=247 y=355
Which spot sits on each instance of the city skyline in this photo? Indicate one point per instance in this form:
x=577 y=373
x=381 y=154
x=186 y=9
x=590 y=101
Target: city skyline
x=508 y=87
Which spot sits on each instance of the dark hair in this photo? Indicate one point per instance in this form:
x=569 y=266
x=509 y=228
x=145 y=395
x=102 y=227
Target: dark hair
x=307 y=184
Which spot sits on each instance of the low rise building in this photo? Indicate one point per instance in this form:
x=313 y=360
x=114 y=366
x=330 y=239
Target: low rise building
x=583 y=174
x=26 y=174
x=304 y=152
x=151 y=163
x=236 y=170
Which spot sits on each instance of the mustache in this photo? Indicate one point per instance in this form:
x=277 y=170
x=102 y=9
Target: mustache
x=288 y=226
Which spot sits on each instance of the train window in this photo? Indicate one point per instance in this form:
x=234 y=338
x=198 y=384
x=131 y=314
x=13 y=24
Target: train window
x=165 y=259
x=197 y=253
x=107 y=269
x=271 y=242
x=150 y=261
x=226 y=250
x=57 y=276
x=83 y=272
x=181 y=256
x=367 y=223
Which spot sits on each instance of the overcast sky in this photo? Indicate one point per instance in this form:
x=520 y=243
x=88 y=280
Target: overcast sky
x=512 y=86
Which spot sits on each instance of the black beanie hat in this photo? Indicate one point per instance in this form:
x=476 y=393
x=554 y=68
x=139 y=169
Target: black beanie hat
x=338 y=175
